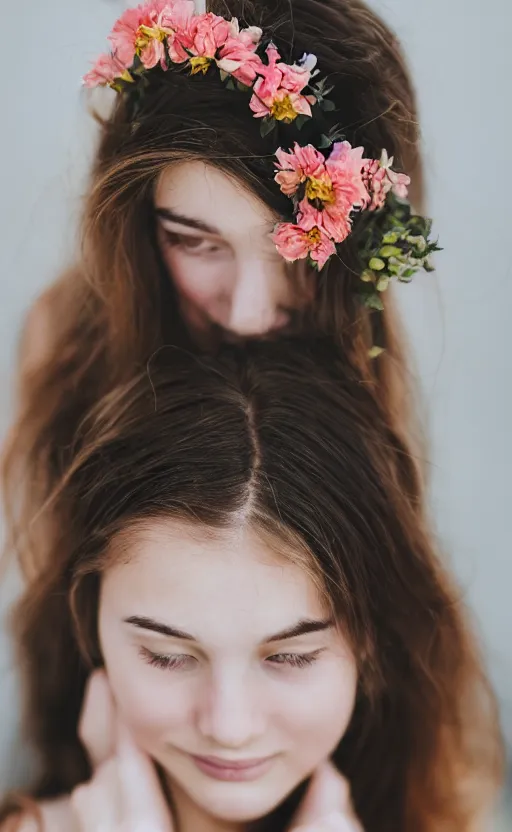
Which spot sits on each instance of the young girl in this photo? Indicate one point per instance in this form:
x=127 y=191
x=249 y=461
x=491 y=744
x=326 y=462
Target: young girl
x=240 y=549
x=196 y=232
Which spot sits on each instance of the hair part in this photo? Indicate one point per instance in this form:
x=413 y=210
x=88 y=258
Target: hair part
x=301 y=445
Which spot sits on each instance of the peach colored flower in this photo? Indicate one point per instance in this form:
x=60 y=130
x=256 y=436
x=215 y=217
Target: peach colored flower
x=178 y=22
x=296 y=76
x=277 y=92
x=295 y=242
x=345 y=167
x=297 y=166
x=333 y=187
x=238 y=57
x=143 y=31
x=333 y=218
x=249 y=37
x=239 y=62
x=105 y=71
x=208 y=33
x=380 y=179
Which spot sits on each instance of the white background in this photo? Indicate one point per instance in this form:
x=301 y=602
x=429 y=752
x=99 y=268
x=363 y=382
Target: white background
x=458 y=319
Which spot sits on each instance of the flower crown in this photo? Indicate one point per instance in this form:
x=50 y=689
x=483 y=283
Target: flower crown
x=328 y=184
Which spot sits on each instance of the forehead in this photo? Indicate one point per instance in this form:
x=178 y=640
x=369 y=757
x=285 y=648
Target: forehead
x=203 y=192
x=210 y=582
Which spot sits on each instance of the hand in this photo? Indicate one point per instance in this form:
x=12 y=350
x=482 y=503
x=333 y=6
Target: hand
x=326 y=806
x=124 y=792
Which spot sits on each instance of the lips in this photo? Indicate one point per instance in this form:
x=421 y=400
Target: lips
x=233 y=770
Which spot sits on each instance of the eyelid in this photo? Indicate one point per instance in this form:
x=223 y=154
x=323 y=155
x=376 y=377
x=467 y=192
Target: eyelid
x=298 y=660
x=171 y=661
x=193 y=233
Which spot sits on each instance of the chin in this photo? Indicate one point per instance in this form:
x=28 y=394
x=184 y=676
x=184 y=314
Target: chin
x=240 y=803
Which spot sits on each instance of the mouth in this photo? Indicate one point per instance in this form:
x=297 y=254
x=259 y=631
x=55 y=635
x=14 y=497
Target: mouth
x=238 y=771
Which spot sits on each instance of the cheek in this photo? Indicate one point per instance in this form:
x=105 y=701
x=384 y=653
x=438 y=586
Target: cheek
x=151 y=701
x=199 y=281
x=316 y=730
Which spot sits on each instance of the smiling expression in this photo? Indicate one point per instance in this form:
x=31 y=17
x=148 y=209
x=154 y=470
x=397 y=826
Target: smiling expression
x=226 y=665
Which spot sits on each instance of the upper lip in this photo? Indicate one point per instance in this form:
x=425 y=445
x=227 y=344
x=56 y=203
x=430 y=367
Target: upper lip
x=222 y=762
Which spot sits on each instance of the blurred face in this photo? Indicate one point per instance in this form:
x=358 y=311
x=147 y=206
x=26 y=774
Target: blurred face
x=226 y=666
x=215 y=240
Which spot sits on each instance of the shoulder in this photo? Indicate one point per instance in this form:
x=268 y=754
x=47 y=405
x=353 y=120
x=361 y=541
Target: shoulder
x=54 y=816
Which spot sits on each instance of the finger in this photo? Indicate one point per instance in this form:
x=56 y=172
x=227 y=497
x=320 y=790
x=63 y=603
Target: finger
x=97 y=805
x=142 y=796
x=328 y=794
x=97 y=725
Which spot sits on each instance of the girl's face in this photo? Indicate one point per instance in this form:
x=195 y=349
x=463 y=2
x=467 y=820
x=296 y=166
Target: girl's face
x=225 y=664
x=215 y=240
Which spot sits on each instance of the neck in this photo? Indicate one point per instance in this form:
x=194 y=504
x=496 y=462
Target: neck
x=191 y=818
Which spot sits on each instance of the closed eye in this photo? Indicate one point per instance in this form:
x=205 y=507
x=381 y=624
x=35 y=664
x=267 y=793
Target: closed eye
x=183 y=661
x=174 y=661
x=298 y=660
x=192 y=244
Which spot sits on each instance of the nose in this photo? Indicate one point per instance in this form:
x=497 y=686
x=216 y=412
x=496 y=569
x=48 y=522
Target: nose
x=229 y=715
x=254 y=306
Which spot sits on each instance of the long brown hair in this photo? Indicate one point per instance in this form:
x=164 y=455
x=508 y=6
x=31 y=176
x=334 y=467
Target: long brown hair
x=287 y=438
x=111 y=311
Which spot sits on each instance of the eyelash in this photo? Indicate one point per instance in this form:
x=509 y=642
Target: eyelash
x=177 y=662
x=187 y=243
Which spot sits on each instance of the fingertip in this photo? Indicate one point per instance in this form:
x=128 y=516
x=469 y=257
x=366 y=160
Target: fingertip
x=328 y=792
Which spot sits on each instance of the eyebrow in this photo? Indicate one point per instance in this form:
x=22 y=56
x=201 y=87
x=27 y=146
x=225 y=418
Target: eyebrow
x=300 y=629
x=181 y=219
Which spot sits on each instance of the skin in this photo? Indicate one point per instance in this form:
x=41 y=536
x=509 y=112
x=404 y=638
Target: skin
x=231 y=683
x=215 y=239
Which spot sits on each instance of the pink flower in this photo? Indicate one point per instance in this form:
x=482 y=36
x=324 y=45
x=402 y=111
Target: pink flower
x=239 y=62
x=179 y=24
x=333 y=187
x=142 y=31
x=295 y=242
x=238 y=57
x=105 y=71
x=277 y=90
x=297 y=166
x=209 y=32
x=297 y=76
x=345 y=168
x=380 y=179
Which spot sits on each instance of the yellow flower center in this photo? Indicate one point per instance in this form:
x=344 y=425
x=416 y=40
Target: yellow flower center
x=319 y=189
x=200 y=64
x=147 y=33
x=283 y=110
x=314 y=236
x=125 y=76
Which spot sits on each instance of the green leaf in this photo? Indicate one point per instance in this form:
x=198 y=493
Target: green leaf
x=382 y=283
x=300 y=121
x=230 y=84
x=324 y=142
x=390 y=238
x=375 y=351
x=267 y=125
x=376 y=264
x=368 y=276
x=390 y=251
x=373 y=302
x=327 y=105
